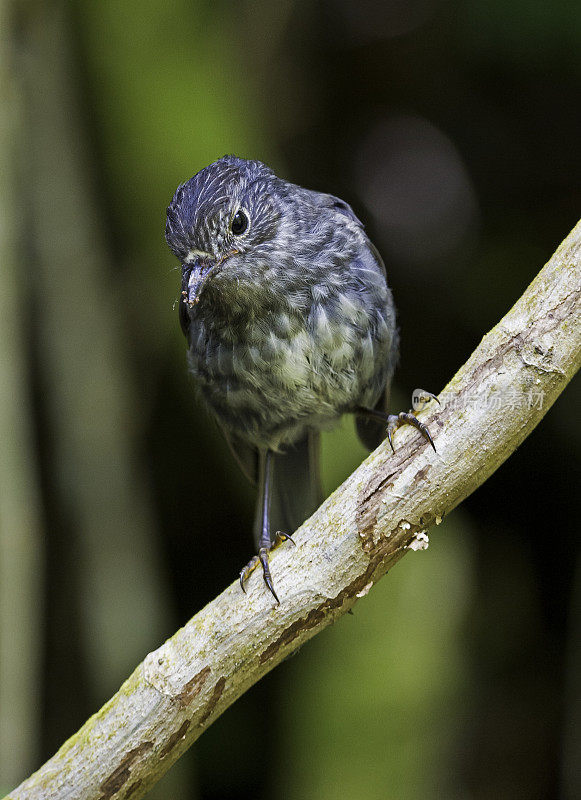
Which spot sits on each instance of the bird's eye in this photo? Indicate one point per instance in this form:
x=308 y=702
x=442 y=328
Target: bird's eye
x=239 y=222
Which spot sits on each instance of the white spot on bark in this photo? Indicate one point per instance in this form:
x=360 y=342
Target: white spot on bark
x=365 y=590
x=421 y=542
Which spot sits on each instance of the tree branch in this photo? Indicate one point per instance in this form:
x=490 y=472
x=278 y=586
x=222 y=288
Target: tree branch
x=381 y=512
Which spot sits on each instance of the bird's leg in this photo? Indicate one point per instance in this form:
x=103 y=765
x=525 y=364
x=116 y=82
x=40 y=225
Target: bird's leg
x=395 y=421
x=265 y=544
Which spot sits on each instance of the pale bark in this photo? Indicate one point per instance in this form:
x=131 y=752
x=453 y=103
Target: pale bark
x=380 y=513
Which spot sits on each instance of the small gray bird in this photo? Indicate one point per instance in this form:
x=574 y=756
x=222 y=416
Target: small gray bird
x=290 y=323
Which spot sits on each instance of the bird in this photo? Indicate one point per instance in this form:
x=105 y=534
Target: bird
x=290 y=324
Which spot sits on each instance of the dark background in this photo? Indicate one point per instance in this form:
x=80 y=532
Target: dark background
x=453 y=130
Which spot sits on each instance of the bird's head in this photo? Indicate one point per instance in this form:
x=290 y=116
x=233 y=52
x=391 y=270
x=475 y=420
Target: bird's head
x=227 y=211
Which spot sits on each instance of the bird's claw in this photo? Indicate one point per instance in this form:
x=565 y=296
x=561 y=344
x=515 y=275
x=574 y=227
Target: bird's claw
x=282 y=537
x=262 y=558
x=247 y=570
x=395 y=421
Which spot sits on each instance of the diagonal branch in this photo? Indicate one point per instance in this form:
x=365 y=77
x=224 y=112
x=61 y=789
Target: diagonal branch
x=381 y=512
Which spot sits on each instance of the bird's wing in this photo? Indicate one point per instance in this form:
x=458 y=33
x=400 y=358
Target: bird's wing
x=329 y=201
x=323 y=200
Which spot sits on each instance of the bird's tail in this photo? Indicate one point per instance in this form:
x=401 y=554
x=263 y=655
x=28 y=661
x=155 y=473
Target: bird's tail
x=295 y=489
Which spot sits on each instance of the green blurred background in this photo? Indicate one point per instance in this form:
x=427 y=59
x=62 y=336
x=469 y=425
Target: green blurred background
x=453 y=130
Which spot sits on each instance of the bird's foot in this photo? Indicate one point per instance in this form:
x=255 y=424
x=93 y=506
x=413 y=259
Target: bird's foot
x=262 y=558
x=394 y=421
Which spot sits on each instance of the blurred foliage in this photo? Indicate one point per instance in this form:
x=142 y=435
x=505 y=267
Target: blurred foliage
x=453 y=129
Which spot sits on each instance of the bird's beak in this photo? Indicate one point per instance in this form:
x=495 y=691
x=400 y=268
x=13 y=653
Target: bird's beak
x=194 y=275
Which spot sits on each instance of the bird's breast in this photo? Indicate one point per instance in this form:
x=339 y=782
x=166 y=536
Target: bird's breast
x=282 y=367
